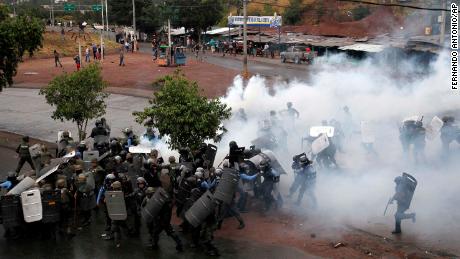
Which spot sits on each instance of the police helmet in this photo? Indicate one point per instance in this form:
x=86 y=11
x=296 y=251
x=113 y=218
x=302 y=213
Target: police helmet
x=110 y=177
x=304 y=160
x=140 y=180
x=81 y=178
x=61 y=183
x=150 y=190
x=264 y=163
x=172 y=159
x=232 y=144
x=116 y=185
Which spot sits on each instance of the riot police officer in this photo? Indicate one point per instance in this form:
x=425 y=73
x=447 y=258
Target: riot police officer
x=270 y=179
x=24 y=154
x=403 y=197
x=162 y=222
x=305 y=178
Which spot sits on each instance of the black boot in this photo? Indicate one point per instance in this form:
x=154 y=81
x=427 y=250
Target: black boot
x=397 y=228
x=179 y=246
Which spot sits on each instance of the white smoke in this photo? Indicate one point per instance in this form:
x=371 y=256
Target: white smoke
x=383 y=93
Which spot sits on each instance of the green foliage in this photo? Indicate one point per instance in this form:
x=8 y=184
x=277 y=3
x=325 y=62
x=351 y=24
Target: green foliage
x=201 y=16
x=32 y=10
x=178 y=111
x=78 y=97
x=360 y=12
x=293 y=13
x=17 y=35
x=268 y=10
x=148 y=14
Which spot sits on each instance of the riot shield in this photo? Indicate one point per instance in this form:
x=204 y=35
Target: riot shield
x=23 y=185
x=32 y=205
x=270 y=156
x=434 y=128
x=154 y=205
x=227 y=185
x=140 y=149
x=11 y=210
x=367 y=133
x=410 y=183
x=201 y=209
x=319 y=144
x=318 y=130
x=211 y=152
x=88 y=156
x=45 y=172
x=51 y=203
x=116 y=206
x=35 y=150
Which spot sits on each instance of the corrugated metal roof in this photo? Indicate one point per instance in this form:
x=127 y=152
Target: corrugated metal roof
x=364 y=47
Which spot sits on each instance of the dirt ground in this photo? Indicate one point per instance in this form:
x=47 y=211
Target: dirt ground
x=133 y=79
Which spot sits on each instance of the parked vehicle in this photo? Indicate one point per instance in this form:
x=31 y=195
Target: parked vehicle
x=297 y=54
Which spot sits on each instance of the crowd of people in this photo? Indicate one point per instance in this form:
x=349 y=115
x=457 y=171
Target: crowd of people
x=152 y=188
x=81 y=183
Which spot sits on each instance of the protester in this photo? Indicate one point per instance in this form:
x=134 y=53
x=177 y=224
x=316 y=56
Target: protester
x=56 y=59
x=77 y=62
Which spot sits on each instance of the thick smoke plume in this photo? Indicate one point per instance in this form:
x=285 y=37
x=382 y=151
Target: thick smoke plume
x=378 y=91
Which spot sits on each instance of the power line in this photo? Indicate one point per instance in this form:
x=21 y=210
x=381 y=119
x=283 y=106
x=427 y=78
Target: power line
x=363 y=2
x=396 y=5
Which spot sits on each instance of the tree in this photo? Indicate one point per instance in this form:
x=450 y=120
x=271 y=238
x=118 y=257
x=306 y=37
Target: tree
x=17 y=35
x=198 y=15
x=178 y=111
x=293 y=13
x=78 y=97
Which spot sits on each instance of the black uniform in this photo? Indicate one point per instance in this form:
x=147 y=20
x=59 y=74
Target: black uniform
x=305 y=178
x=403 y=198
x=270 y=178
x=24 y=156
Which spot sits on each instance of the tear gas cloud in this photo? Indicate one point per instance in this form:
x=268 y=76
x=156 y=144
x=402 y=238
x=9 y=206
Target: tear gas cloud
x=376 y=94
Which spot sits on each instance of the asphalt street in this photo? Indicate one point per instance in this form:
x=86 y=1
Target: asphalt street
x=25 y=112
x=263 y=66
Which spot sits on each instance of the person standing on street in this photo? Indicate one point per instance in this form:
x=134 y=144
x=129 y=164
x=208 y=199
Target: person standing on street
x=94 y=51
x=24 y=154
x=56 y=59
x=87 y=59
x=77 y=62
x=122 y=57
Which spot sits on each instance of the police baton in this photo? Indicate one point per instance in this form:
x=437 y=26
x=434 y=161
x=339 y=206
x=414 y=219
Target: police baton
x=389 y=202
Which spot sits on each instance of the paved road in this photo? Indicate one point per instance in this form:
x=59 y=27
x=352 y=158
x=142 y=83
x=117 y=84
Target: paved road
x=262 y=66
x=25 y=112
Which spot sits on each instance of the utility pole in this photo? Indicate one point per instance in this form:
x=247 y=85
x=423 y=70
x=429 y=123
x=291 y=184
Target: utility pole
x=102 y=30
x=134 y=23
x=443 y=23
x=106 y=15
x=245 y=40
